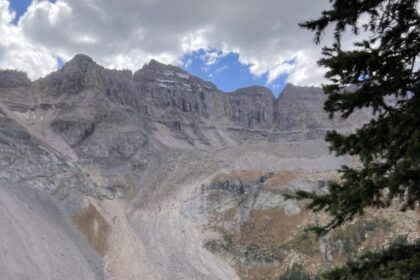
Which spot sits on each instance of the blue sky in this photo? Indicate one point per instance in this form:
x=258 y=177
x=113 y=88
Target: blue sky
x=225 y=70
x=19 y=6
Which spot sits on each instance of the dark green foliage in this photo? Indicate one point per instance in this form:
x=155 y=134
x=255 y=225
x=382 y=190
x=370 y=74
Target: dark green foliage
x=399 y=262
x=381 y=73
x=296 y=272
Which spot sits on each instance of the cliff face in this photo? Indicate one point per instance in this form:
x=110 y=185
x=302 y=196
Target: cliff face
x=107 y=174
x=191 y=111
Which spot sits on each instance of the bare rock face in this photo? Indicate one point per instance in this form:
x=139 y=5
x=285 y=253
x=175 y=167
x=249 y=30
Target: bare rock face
x=162 y=97
x=12 y=78
x=75 y=76
x=250 y=107
x=166 y=86
x=106 y=174
x=300 y=114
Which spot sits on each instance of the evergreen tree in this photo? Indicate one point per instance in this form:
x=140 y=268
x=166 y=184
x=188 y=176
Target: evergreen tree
x=380 y=73
x=398 y=262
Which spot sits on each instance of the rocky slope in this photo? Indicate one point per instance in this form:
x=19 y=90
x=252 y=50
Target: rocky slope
x=107 y=174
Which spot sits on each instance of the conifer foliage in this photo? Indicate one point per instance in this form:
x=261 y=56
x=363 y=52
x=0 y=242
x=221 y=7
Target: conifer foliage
x=380 y=72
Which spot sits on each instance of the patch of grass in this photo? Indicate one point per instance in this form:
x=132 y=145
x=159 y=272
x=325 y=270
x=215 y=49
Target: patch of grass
x=347 y=240
x=296 y=272
x=305 y=242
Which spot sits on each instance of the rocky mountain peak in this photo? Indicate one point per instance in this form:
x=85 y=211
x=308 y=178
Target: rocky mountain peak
x=74 y=76
x=292 y=92
x=170 y=76
x=255 y=91
x=82 y=58
x=160 y=70
x=80 y=63
x=12 y=78
x=154 y=64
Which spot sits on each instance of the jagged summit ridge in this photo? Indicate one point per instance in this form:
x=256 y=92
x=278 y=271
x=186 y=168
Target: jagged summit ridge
x=154 y=69
x=13 y=78
x=82 y=58
x=79 y=63
x=165 y=94
x=169 y=76
x=291 y=92
x=255 y=90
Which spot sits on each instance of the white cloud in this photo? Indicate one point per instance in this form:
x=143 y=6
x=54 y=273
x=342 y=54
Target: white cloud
x=16 y=51
x=212 y=57
x=128 y=33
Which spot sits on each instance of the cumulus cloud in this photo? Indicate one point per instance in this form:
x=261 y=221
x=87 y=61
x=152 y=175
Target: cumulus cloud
x=17 y=52
x=128 y=33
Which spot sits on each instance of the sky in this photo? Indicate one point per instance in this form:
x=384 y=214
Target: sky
x=232 y=43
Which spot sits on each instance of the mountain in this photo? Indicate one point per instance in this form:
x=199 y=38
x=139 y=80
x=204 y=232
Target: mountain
x=158 y=174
